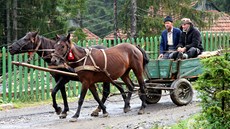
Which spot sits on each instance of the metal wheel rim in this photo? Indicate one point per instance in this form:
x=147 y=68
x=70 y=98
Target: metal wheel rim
x=183 y=91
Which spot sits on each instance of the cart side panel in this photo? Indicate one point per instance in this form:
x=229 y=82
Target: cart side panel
x=190 y=68
x=159 y=69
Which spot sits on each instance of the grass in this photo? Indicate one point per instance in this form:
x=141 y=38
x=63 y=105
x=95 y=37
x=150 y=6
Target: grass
x=194 y=122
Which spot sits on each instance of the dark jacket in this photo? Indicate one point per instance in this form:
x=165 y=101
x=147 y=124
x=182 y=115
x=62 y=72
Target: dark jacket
x=164 y=39
x=191 y=39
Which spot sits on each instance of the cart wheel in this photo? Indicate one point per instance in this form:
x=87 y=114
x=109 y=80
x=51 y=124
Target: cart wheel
x=152 y=96
x=182 y=93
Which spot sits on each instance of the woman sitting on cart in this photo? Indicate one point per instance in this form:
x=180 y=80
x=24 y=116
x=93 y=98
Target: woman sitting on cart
x=190 y=44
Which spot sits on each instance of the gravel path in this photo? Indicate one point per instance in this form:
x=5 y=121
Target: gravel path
x=163 y=113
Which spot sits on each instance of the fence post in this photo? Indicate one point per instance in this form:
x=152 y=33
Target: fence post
x=105 y=42
x=137 y=41
x=4 y=72
x=211 y=41
x=220 y=41
x=151 y=48
x=155 y=47
x=26 y=77
x=9 y=76
x=15 y=79
x=32 y=81
x=147 y=46
x=42 y=80
x=89 y=42
x=118 y=41
x=215 y=41
x=36 y=79
x=202 y=38
x=47 y=84
x=109 y=44
x=206 y=42
x=20 y=77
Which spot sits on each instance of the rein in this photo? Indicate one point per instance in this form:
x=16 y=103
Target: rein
x=32 y=55
x=37 y=50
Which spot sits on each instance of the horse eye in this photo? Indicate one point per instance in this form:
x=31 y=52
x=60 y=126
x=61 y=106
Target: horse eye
x=62 y=46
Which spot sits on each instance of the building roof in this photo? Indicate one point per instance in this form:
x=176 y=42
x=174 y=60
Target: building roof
x=120 y=34
x=90 y=35
x=221 y=24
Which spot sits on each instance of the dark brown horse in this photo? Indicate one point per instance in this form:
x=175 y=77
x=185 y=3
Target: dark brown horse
x=32 y=42
x=109 y=65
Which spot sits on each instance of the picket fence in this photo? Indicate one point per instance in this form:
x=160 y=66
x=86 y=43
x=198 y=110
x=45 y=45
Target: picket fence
x=27 y=84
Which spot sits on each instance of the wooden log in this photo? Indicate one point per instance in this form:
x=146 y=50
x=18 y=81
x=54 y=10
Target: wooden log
x=45 y=69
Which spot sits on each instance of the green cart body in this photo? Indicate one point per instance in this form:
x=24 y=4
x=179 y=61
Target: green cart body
x=174 y=76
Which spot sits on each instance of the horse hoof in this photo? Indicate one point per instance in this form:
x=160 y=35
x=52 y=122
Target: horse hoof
x=105 y=114
x=63 y=115
x=94 y=113
x=141 y=112
x=58 y=111
x=126 y=110
x=72 y=119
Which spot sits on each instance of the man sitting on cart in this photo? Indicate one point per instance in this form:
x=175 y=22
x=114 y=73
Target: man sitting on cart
x=169 y=39
x=190 y=44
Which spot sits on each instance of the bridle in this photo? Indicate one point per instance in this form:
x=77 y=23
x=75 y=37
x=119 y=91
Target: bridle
x=34 y=50
x=64 y=57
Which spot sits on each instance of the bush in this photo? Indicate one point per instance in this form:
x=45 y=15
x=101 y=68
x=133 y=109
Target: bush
x=214 y=90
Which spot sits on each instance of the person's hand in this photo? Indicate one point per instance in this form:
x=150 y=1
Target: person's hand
x=181 y=49
x=160 y=56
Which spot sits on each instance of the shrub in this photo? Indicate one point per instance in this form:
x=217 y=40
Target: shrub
x=214 y=90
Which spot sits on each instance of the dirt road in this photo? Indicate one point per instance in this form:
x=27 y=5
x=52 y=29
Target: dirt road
x=43 y=117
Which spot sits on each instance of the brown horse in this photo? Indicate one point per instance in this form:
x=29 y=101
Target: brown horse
x=93 y=65
x=32 y=42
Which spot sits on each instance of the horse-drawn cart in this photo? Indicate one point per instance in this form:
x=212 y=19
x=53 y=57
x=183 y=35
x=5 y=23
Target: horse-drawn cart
x=169 y=75
x=174 y=76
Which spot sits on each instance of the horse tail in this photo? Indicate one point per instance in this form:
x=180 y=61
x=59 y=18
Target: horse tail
x=145 y=56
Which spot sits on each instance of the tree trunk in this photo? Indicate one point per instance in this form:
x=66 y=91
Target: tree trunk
x=8 y=29
x=133 y=19
x=15 y=32
x=115 y=19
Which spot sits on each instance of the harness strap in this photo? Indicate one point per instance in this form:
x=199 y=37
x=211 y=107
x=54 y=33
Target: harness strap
x=36 y=49
x=103 y=51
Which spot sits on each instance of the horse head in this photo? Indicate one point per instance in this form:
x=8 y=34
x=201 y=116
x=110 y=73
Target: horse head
x=27 y=43
x=62 y=49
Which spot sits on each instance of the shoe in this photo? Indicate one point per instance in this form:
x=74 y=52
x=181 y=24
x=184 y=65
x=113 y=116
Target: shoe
x=185 y=56
x=180 y=55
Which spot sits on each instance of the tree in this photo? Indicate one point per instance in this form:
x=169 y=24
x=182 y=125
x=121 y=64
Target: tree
x=214 y=89
x=150 y=15
x=20 y=17
x=223 y=5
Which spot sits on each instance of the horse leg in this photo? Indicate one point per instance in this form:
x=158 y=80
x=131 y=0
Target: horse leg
x=96 y=97
x=106 y=92
x=80 y=102
x=130 y=86
x=58 y=109
x=64 y=97
x=142 y=93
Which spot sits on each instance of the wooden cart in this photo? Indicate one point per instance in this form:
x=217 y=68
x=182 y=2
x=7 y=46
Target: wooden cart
x=174 y=76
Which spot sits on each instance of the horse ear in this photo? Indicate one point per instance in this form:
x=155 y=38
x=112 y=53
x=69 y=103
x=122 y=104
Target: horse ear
x=68 y=36
x=33 y=37
x=36 y=33
x=57 y=37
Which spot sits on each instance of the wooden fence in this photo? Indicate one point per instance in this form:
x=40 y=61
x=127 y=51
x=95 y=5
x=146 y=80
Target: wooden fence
x=26 y=84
